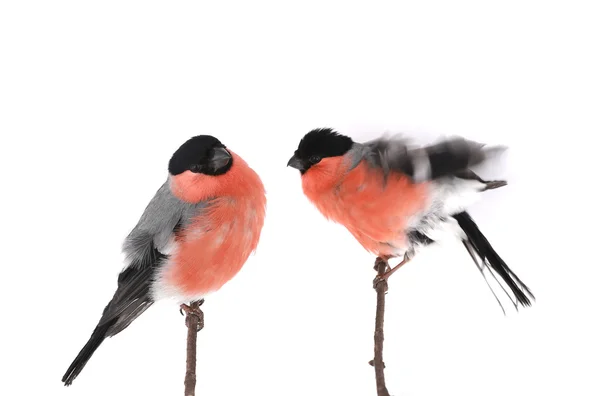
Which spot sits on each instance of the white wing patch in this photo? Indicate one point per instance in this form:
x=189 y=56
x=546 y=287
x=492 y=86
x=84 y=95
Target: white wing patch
x=421 y=166
x=448 y=196
x=454 y=195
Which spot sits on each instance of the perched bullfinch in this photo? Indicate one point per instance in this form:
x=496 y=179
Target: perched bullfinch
x=396 y=199
x=194 y=236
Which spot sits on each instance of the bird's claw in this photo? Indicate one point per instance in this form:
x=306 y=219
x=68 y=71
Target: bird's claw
x=193 y=311
x=188 y=309
x=379 y=260
x=380 y=280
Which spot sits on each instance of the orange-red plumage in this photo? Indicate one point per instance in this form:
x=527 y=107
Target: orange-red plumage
x=375 y=210
x=213 y=249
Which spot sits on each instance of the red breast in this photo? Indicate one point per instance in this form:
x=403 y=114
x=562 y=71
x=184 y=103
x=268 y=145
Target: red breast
x=374 y=210
x=213 y=249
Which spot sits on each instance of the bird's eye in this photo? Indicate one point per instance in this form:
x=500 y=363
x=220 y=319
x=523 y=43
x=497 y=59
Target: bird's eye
x=314 y=159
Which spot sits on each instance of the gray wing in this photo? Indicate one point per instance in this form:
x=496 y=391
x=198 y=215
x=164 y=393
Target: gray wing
x=144 y=248
x=155 y=229
x=449 y=157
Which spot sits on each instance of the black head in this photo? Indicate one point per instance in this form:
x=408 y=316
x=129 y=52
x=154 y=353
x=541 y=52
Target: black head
x=201 y=154
x=318 y=144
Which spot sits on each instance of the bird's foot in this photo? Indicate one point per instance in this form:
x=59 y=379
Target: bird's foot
x=189 y=309
x=383 y=277
x=381 y=266
x=380 y=281
x=193 y=310
x=380 y=260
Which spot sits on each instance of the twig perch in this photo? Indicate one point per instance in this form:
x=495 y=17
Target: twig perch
x=194 y=321
x=381 y=287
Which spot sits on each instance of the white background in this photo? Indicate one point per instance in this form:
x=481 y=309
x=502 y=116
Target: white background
x=95 y=97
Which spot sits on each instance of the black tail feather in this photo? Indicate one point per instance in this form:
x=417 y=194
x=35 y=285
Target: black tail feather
x=492 y=260
x=473 y=255
x=130 y=300
x=86 y=353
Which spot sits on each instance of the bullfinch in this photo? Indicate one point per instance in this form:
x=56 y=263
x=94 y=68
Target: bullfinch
x=193 y=237
x=396 y=198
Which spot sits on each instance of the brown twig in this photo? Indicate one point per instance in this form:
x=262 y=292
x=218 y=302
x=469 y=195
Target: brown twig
x=194 y=321
x=381 y=287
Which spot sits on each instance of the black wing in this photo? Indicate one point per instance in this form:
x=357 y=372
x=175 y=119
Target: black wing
x=450 y=157
x=130 y=300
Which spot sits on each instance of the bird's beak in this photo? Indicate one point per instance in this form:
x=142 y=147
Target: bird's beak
x=295 y=162
x=220 y=158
